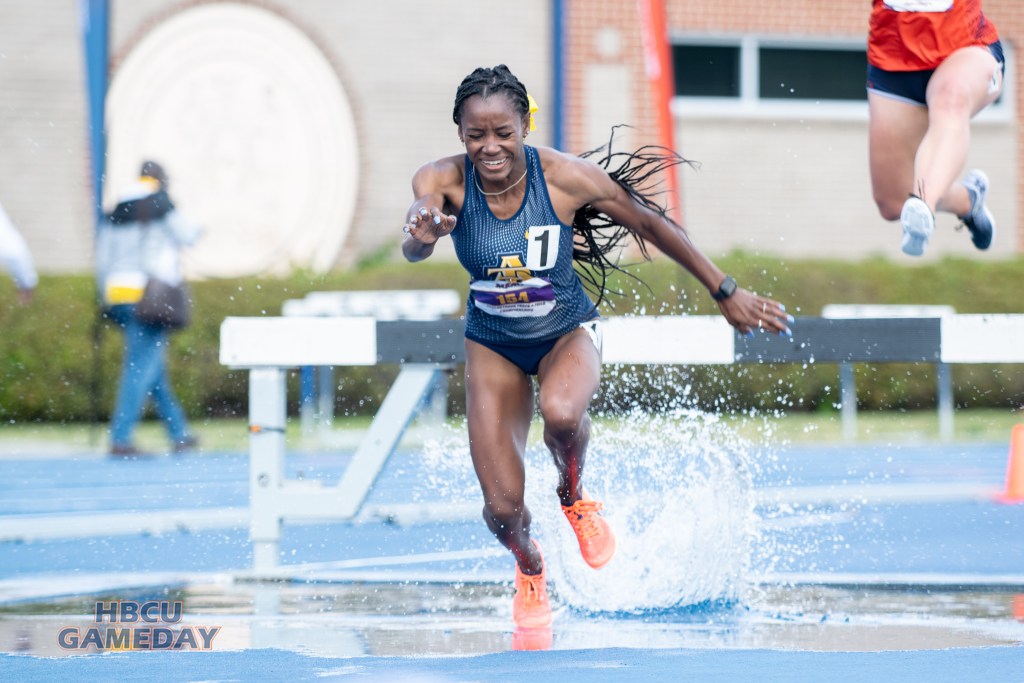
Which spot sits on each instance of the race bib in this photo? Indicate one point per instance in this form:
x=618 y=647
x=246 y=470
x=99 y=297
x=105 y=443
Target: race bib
x=919 y=5
x=531 y=298
x=542 y=246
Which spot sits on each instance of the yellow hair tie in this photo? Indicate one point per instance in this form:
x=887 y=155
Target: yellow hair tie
x=533 y=110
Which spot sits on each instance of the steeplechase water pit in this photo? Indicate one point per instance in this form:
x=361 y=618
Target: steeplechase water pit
x=723 y=544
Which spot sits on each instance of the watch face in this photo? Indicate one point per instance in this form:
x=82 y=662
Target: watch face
x=726 y=289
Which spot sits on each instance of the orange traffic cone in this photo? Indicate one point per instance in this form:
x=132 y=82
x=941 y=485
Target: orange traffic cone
x=1018 y=607
x=1014 y=492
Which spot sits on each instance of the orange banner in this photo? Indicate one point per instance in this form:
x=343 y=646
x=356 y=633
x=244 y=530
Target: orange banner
x=658 y=65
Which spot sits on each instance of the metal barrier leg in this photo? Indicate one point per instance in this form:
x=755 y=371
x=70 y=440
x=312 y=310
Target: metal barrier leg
x=944 y=379
x=325 y=402
x=848 y=400
x=266 y=463
x=411 y=388
x=437 y=409
x=307 y=394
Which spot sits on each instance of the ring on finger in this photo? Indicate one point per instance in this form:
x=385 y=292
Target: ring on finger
x=764 y=307
x=758 y=323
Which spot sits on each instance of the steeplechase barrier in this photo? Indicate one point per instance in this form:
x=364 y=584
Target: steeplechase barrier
x=317 y=386
x=268 y=347
x=847 y=381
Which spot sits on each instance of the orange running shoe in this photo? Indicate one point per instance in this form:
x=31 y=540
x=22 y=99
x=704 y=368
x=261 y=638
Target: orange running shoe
x=530 y=606
x=597 y=542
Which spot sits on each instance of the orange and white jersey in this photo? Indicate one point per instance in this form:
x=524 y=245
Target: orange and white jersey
x=915 y=35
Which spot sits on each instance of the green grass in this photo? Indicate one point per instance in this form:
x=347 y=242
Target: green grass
x=874 y=427
x=231 y=434
x=971 y=426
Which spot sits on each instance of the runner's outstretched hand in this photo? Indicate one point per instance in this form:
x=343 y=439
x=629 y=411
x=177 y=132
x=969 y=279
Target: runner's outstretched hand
x=748 y=313
x=428 y=226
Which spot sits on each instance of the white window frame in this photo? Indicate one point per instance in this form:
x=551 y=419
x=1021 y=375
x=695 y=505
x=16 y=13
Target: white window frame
x=750 y=104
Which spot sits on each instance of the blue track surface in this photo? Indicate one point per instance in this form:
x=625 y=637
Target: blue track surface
x=849 y=534
x=890 y=537
x=995 y=665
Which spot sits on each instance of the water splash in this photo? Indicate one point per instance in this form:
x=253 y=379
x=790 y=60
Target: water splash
x=677 y=487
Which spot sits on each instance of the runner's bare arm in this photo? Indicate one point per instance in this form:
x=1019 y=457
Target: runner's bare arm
x=582 y=182
x=436 y=187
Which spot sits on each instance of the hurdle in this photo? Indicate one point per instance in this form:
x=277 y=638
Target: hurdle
x=267 y=347
x=848 y=384
x=316 y=401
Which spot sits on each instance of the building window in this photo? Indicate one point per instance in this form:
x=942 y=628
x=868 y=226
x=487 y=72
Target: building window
x=790 y=77
x=706 y=70
x=807 y=74
x=749 y=67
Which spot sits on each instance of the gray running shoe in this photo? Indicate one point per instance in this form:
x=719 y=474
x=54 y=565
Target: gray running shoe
x=918 y=224
x=979 y=219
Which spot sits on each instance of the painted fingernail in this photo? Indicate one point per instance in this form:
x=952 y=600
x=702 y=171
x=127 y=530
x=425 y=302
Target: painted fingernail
x=789 y=332
x=790 y=319
x=437 y=220
x=782 y=307
x=749 y=334
x=423 y=211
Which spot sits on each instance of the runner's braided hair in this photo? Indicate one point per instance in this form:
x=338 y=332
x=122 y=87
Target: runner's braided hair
x=486 y=82
x=598 y=238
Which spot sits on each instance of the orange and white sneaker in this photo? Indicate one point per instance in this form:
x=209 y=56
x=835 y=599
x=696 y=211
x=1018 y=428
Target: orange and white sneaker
x=597 y=541
x=530 y=606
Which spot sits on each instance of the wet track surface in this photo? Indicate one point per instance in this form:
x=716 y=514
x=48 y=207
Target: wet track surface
x=854 y=549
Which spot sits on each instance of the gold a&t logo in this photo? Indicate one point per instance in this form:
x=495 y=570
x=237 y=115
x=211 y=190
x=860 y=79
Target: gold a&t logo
x=511 y=270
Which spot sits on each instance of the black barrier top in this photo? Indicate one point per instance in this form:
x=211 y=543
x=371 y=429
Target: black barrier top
x=829 y=340
x=879 y=340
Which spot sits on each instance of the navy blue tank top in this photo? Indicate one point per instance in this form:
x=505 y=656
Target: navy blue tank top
x=523 y=287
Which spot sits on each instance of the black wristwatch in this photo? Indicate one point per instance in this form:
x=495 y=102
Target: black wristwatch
x=725 y=290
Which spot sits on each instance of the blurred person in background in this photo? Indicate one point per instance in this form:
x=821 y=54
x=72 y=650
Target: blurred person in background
x=139 y=242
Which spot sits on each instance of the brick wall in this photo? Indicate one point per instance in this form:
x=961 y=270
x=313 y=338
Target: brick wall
x=400 y=78
x=399 y=63
x=43 y=136
x=1008 y=16
x=764 y=184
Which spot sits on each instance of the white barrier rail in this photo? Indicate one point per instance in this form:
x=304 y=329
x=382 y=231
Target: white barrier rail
x=267 y=347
